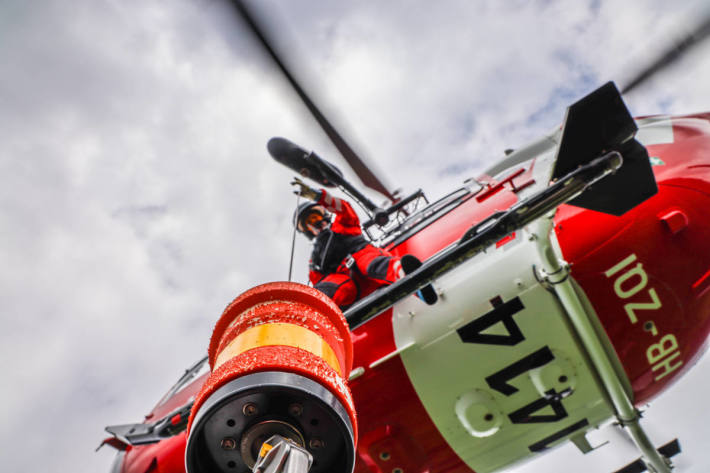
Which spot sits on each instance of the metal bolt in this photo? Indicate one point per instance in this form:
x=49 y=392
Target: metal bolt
x=228 y=443
x=316 y=443
x=249 y=409
x=385 y=456
x=295 y=410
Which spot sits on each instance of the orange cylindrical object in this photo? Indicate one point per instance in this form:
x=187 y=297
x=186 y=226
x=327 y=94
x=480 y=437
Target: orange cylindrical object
x=282 y=326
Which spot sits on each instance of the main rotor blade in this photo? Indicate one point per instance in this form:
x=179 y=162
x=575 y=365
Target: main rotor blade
x=356 y=163
x=698 y=34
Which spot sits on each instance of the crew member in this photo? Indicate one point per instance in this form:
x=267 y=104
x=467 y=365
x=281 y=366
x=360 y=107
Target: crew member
x=344 y=265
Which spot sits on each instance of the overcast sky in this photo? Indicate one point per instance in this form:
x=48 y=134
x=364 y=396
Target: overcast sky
x=138 y=198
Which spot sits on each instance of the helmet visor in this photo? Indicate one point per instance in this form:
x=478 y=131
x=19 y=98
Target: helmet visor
x=314 y=218
x=313 y=221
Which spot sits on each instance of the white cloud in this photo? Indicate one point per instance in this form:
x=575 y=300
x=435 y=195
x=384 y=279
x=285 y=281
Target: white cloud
x=138 y=197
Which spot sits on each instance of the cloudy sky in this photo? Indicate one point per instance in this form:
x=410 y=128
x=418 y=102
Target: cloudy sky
x=138 y=198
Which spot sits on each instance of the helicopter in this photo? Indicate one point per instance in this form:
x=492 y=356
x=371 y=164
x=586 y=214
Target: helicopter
x=547 y=381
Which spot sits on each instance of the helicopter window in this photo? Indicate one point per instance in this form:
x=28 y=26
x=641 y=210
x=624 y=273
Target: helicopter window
x=433 y=212
x=405 y=208
x=192 y=373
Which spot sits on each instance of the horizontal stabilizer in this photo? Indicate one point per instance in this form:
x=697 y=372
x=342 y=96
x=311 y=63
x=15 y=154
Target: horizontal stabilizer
x=597 y=124
x=145 y=433
x=670 y=449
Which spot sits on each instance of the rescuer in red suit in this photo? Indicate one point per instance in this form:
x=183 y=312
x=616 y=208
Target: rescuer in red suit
x=344 y=265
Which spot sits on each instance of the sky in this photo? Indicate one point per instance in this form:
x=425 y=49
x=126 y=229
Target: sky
x=138 y=198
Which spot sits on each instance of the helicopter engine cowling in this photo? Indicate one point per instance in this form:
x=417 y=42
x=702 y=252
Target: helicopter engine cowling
x=280 y=356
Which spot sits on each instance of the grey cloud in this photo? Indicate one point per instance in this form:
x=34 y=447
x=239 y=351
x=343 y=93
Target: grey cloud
x=138 y=198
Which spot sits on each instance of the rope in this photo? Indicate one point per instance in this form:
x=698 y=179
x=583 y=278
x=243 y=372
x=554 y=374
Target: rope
x=293 y=239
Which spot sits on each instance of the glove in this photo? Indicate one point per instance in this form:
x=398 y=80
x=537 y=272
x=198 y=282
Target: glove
x=304 y=190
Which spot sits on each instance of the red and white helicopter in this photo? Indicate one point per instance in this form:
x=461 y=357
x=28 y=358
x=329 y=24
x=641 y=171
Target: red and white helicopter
x=573 y=285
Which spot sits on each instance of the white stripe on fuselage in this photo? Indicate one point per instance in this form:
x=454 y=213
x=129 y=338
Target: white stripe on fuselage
x=655 y=130
x=484 y=376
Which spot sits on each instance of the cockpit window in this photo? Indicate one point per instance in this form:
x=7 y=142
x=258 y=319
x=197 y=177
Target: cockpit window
x=191 y=374
x=434 y=211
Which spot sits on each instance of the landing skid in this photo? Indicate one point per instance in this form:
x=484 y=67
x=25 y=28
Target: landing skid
x=670 y=449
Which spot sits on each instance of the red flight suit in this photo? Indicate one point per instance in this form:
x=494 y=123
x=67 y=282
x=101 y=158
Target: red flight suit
x=344 y=265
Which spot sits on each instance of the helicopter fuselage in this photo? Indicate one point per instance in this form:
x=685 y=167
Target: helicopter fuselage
x=494 y=373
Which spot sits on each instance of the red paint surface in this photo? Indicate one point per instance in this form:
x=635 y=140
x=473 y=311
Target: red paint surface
x=168 y=456
x=674 y=261
x=450 y=227
x=675 y=220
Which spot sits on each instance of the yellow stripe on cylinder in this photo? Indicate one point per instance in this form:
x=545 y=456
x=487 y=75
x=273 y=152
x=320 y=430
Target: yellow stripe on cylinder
x=279 y=334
